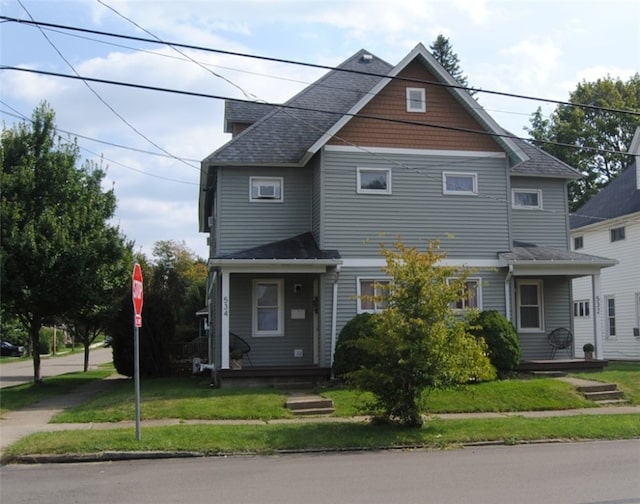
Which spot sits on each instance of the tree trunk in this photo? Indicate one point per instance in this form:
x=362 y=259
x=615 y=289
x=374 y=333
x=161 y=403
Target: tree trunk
x=86 y=355
x=34 y=336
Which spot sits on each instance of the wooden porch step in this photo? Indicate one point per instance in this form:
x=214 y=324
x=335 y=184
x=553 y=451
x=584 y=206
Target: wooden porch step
x=548 y=374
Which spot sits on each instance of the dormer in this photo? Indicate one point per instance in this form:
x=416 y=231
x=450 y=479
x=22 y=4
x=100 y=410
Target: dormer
x=239 y=115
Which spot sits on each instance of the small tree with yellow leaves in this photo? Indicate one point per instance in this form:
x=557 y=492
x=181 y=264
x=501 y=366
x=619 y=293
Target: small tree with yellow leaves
x=418 y=342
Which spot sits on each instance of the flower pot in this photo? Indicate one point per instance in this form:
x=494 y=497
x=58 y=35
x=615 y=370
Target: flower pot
x=236 y=363
x=588 y=355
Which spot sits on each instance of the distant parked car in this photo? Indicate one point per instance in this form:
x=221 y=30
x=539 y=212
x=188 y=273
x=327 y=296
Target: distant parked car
x=108 y=340
x=11 y=350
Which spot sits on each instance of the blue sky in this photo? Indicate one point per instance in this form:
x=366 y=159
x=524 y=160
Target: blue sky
x=535 y=48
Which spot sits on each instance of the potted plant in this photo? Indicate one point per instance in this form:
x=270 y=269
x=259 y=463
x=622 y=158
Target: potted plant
x=236 y=358
x=588 y=349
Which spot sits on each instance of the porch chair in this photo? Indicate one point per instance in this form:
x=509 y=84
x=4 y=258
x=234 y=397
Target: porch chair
x=559 y=339
x=238 y=343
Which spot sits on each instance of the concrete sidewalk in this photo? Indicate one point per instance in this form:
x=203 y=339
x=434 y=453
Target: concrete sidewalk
x=17 y=424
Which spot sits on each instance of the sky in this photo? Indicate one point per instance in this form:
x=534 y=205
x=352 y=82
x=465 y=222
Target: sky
x=150 y=142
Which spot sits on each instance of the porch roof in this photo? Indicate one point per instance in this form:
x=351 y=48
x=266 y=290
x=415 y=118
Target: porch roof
x=299 y=252
x=531 y=259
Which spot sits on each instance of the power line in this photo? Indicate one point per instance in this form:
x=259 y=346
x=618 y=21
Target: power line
x=307 y=109
x=315 y=65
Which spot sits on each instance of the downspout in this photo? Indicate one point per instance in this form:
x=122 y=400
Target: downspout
x=334 y=312
x=507 y=292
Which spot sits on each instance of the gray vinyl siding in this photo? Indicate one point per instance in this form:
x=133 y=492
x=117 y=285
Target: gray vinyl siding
x=546 y=227
x=316 y=198
x=557 y=313
x=243 y=224
x=417 y=210
x=298 y=334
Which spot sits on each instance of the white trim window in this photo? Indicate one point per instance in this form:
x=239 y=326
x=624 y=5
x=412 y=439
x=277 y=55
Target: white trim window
x=610 y=325
x=268 y=307
x=529 y=305
x=472 y=297
x=374 y=181
x=617 y=234
x=416 y=100
x=266 y=189
x=578 y=242
x=581 y=309
x=460 y=183
x=371 y=287
x=526 y=199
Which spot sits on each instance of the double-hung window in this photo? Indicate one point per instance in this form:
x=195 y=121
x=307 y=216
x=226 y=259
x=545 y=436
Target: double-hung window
x=268 y=189
x=578 y=242
x=416 y=100
x=526 y=199
x=370 y=292
x=617 y=234
x=610 y=306
x=268 y=307
x=374 y=181
x=471 y=297
x=529 y=301
x=460 y=183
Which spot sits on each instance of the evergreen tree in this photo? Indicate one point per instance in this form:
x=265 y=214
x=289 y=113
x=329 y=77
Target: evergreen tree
x=442 y=51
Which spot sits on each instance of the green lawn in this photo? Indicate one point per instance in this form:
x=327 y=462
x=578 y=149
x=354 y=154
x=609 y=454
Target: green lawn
x=625 y=374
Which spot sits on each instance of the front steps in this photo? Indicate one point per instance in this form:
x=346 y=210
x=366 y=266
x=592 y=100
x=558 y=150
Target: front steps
x=602 y=393
x=310 y=405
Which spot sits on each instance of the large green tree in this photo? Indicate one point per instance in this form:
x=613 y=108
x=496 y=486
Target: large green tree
x=55 y=230
x=442 y=51
x=609 y=133
x=417 y=342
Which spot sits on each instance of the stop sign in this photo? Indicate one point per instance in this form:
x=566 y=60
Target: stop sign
x=136 y=294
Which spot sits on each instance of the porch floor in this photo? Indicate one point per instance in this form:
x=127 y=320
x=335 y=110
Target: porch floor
x=563 y=365
x=294 y=377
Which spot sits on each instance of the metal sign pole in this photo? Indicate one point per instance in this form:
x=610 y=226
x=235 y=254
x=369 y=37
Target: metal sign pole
x=136 y=358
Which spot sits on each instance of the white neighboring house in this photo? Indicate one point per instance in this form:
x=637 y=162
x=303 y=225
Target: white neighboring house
x=609 y=225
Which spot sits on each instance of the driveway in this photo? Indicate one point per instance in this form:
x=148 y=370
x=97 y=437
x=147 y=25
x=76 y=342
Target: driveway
x=21 y=371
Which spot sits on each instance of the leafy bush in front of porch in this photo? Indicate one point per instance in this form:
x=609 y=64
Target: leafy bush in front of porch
x=501 y=339
x=417 y=341
x=348 y=356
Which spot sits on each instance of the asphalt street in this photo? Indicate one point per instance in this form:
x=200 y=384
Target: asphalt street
x=21 y=370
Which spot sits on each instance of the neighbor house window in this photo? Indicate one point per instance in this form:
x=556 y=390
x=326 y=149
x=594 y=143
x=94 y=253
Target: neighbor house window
x=472 y=296
x=266 y=189
x=528 y=199
x=617 y=234
x=578 y=243
x=610 y=304
x=368 y=287
x=581 y=308
x=268 y=307
x=459 y=183
x=416 y=101
x=529 y=300
x=374 y=180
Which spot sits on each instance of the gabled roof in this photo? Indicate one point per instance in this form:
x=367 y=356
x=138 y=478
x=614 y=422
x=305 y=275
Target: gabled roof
x=621 y=197
x=542 y=164
x=244 y=112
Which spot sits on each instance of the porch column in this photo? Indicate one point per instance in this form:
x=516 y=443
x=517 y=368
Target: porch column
x=598 y=319
x=224 y=326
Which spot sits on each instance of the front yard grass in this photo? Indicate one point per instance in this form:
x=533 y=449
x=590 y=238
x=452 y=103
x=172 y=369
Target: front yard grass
x=625 y=374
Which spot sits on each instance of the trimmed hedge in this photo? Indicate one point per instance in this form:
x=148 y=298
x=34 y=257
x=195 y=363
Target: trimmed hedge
x=501 y=338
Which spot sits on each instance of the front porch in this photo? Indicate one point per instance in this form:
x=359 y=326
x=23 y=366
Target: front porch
x=562 y=366
x=287 y=377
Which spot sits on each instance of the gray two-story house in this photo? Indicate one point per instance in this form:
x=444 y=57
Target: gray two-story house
x=297 y=203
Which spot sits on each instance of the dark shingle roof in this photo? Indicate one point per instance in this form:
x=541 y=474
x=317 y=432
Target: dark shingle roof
x=620 y=197
x=284 y=136
x=301 y=247
x=244 y=112
x=530 y=252
x=542 y=164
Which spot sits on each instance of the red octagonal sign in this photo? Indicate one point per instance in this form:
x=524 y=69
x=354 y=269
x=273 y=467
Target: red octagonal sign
x=136 y=294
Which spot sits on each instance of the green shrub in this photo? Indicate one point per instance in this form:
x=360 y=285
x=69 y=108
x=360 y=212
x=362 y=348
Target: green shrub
x=348 y=357
x=44 y=340
x=501 y=339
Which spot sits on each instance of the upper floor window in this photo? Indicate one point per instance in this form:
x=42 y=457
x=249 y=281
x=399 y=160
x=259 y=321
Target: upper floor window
x=374 y=180
x=460 y=183
x=416 y=101
x=471 y=297
x=617 y=234
x=368 y=290
x=578 y=243
x=266 y=189
x=530 y=199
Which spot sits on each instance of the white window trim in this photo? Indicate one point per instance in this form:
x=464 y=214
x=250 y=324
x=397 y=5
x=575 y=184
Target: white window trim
x=473 y=192
x=607 y=317
x=514 y=204
x=279 y=180
x=423 y=100
x=586 y=306
x=540 y=305
x=478 y=282
x=254 y=309
x=575 y=238
x=611 y=230
x=359 y=292
x=359 y=188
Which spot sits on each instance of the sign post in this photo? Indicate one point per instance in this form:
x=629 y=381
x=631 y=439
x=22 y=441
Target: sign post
x=137 y=296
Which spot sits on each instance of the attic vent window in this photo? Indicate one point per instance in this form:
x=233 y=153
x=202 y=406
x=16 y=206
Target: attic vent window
x=366 y=58
x=416 y=101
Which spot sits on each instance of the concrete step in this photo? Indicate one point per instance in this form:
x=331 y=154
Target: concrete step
x=313 y=411
x=614 y=402
x=303 y=402
x=603 y=396
x=602 y=387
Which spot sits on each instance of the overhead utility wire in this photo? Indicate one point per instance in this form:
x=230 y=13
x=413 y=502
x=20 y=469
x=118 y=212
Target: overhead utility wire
x=315 y=65
x=308 y=109
x=101 y=99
